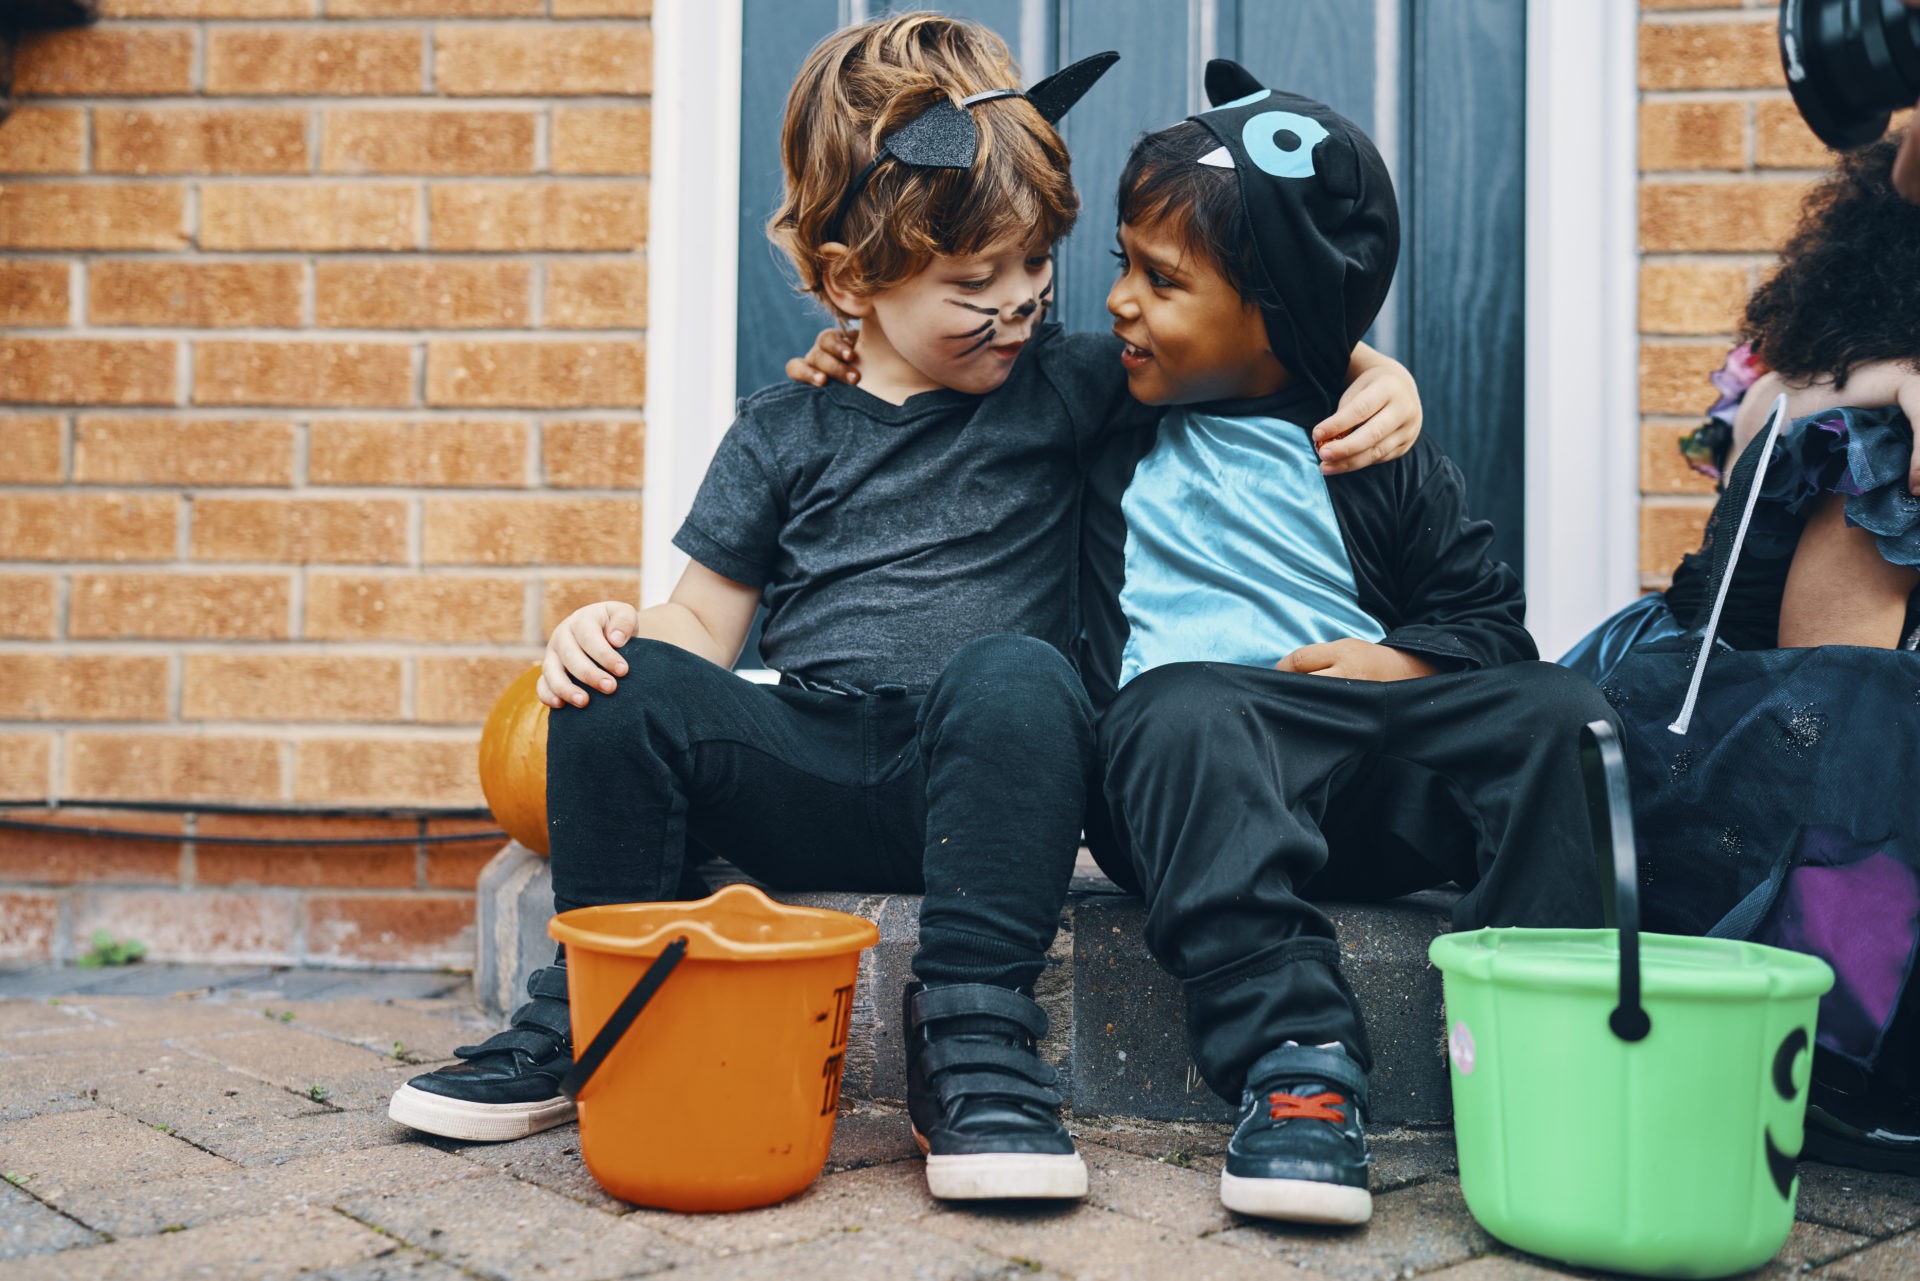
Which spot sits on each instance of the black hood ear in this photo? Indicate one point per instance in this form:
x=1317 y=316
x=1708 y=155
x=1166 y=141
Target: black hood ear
x=1228 y=81
x=1055 y=96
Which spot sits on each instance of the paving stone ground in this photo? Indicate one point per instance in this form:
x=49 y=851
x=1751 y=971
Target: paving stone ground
x=162 y=1122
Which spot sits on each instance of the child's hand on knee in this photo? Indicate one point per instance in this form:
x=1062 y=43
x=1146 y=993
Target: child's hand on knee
x=1356 y=660
x=833 y=356
x=1378 y=418
x=585 y=646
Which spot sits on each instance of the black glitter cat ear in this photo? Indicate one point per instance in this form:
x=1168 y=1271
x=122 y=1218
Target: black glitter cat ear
x=944 y=136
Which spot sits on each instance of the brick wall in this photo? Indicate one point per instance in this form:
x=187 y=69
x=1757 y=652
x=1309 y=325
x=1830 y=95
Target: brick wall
x=1724 y=164
x=321 y=369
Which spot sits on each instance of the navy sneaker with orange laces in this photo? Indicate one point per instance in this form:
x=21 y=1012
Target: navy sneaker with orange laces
x=1300 y=1150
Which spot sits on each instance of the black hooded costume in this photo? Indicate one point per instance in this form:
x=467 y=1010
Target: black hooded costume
x=1213 y=548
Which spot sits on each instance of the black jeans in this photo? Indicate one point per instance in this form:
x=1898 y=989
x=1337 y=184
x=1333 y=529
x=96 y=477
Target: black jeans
x=971 y=793
x=1233 y=791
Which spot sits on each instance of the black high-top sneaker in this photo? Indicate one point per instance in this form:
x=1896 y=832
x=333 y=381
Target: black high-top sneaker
x=983 y=1107
x=1300 y=1152
x=509 y=1086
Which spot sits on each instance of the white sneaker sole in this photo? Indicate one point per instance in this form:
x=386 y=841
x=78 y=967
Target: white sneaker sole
x=1005 y=1176
x=479 y=1122
x=1296 y=1200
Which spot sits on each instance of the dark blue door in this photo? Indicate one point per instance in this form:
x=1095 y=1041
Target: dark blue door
x=1441 y=87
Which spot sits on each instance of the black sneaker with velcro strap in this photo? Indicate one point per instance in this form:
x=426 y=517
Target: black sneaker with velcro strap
x=983 y=1105
x=509 y=1085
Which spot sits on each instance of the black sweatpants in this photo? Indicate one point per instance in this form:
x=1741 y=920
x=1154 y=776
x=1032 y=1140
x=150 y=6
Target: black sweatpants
x=1234 y=790
x=971 y=793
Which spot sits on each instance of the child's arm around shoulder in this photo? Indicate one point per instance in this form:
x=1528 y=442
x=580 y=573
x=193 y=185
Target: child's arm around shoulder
x=707 y=614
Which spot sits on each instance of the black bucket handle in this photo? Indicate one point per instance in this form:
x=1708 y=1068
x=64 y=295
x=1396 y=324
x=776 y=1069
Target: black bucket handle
x=616 y=1027
x=1610 y=816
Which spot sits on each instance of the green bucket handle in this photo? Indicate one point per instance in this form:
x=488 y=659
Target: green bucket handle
x=1610 y=815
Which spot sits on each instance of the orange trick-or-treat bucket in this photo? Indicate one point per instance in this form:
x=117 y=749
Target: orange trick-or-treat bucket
x=710 y=1038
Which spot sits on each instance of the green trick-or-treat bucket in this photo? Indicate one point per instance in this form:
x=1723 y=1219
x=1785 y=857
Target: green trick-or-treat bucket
x=1625 y=1100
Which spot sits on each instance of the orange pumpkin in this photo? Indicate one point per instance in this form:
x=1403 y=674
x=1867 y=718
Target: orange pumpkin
x=513 y=762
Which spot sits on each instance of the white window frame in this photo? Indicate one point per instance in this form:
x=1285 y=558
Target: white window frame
x=1582 y=268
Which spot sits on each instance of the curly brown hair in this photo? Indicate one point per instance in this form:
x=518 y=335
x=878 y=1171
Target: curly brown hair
x=863 y=82
x=1848 y=288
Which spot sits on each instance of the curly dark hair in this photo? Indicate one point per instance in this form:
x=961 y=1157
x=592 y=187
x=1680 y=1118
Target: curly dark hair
x=1848 y=288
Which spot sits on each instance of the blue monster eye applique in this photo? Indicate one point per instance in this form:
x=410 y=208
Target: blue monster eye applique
x=1282 y=142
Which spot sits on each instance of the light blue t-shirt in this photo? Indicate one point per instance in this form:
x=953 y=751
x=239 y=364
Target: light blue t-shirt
x=1233 y=552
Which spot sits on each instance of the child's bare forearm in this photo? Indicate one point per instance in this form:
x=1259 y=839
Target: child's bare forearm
x=675 y=624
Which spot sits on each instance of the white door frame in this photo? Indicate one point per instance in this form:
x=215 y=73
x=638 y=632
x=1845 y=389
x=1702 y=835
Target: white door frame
x=1581 y=405
x=1582 y=295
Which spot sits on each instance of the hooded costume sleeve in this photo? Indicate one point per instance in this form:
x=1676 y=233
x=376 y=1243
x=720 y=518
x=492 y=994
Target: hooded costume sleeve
x=1445 y=599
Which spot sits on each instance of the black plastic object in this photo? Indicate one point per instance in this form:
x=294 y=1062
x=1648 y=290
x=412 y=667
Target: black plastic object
x=616 y=1027
x=1850 y=64
x=1610 y=815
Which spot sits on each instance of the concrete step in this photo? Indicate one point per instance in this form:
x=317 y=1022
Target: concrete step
x=1119 y=1030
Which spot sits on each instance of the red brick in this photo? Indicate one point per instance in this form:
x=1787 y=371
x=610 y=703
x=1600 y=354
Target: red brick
x=199 y=140
x=89 y=527
x=397 y=929
x=49 y=687
x=25 y=766
x=602 y=140
x=528 y=217
x=44 y=140
x=607 y=372
x=1710 y=55
x=427 y=141
x=290 y=687
x=430 y=294
x=318 y=216
x=68 y=371
x=58 y=215
x=302 y=373
x=602 y=8
x=341 y=531
x=28 y=922
x=177 y=767
x=68 y=858
x=353 y=866
x=561 y=596
x=489 y=59
x=1692 y=298
x=158 y=606
x=456 y=865
x=436 y=451
x=593 y=454
x=382 y=771
x=30 y=449
x=597 y=293
x=26 y=608
x=208 y=8
x=182 y=451
x=1693 y=135
x=307 y=60
x=1718 y=216
x=34 y=292
x=1662 y=469
x=461 y=691
x=415 y=608
x=193 y=925
x=532 y=531
x=1669 y=531
x=109 y=59
x=435 y=8
x=201 y=295
x=1673 y=377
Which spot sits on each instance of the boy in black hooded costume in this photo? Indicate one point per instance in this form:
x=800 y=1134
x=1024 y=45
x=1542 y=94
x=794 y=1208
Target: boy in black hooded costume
x=1404 y=736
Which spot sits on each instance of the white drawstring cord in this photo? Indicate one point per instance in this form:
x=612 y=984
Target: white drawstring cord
x=1685 y=719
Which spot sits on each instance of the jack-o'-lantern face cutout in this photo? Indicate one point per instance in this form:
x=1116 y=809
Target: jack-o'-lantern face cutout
x=1785 y=1059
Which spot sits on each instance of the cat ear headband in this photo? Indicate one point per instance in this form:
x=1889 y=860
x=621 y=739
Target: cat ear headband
x=944 y=136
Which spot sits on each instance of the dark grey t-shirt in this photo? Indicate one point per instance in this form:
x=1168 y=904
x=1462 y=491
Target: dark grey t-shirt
x=885 y=537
